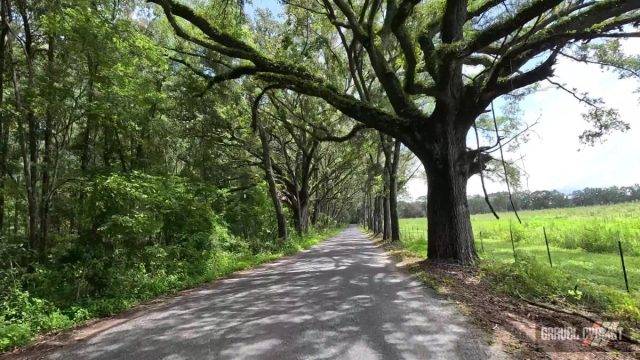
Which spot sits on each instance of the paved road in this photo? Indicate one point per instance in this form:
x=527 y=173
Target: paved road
x=342 y=299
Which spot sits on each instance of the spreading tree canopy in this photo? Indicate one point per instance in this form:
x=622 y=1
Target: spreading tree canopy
x=419 y=71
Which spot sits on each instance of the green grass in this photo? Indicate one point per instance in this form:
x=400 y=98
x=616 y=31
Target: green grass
x=583 y=246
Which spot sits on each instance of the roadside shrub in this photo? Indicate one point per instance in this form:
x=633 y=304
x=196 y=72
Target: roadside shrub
x=22 y=316
x=138 y=236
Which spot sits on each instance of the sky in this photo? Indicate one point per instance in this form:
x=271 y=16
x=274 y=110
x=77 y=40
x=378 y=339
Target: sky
x=553 y=157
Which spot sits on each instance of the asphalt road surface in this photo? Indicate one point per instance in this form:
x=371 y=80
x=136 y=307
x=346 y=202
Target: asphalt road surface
x=342 y=299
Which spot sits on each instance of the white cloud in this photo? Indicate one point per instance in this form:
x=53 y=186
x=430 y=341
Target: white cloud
x=553 y=157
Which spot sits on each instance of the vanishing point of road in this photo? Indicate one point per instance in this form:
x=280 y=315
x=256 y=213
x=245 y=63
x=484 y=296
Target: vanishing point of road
x=341 y=299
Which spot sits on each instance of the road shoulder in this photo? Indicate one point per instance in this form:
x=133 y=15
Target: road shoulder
x=510 y=324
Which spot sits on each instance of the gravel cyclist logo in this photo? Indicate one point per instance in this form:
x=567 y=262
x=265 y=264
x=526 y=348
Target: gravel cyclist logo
x=598 y=334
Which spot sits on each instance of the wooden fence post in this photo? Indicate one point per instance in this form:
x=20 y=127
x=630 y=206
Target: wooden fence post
x=546 y=241
x=624 y=269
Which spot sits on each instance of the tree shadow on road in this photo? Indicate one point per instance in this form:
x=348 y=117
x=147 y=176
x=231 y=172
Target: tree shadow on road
x=340 y=299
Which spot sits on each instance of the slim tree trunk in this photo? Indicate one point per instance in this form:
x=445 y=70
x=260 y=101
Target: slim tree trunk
x=47 y=161
x=381 y=214
x=4 y=121
x=393 y=193
x=314 y=213
x=28 y=138
x=386 y=175
x=4 y=130
x=308 y=160
x=378 y=216
x=391 y=150
x=386 y=217
x=91 y=116
x=273 y=190
x=16 y=221
x=374 y=215
x=368 y=210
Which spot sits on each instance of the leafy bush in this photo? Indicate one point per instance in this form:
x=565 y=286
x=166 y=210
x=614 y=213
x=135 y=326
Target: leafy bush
x=138 y=236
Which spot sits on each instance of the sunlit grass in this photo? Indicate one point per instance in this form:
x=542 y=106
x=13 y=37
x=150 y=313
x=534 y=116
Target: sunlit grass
x=598 y=263
x=583 y=243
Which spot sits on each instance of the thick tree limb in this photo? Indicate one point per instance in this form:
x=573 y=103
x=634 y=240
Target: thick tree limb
x=504 y=28
x=350 y=135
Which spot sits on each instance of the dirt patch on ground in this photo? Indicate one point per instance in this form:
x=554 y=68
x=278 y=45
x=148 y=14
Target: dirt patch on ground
x=514 y=324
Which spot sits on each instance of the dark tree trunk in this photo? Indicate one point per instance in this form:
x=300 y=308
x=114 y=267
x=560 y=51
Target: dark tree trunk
x=449 y=225
x=273 y=191
x=4 y=121
x=28 y=138
x=91 y=115
x=370 y=210
x=378 y=214
x=3 y=170
x=393 y=193
x=315 y=213
x=32 y=181
x=391 y=149
x=16 y=215
x=47 y=161
x=386 y=214
x=374 y=215
x=301 y=213
x=386 y=211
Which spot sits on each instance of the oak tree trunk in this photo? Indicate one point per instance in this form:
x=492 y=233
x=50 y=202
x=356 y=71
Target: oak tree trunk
x=301 y=216
x=449 y=235
x=273 y=191
x=376 y=215
x=386 y=230
x=386 y=175
x=449 y=225
x=393 y=193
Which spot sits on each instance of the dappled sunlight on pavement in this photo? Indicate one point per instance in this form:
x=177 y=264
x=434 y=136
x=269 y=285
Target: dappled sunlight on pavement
x=341 y=299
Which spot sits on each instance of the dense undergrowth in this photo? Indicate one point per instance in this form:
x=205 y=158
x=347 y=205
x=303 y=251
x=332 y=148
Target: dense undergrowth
x=139 y=236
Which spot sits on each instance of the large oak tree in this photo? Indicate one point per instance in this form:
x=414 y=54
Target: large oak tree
x=417 y=54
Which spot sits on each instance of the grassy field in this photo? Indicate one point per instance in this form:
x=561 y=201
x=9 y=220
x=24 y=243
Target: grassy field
x=583 y=242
